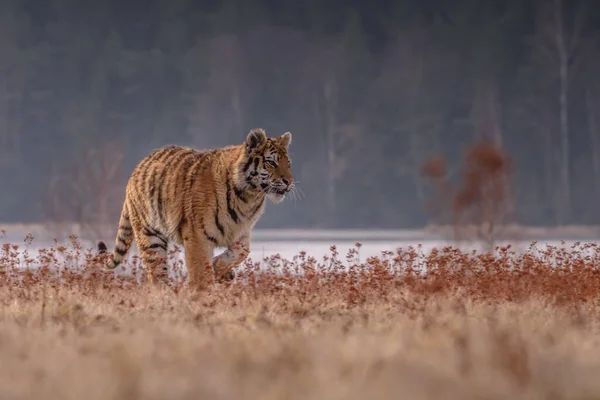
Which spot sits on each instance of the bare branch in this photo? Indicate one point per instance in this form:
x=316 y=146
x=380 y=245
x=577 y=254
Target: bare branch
x=87 y=192
x=578 y=24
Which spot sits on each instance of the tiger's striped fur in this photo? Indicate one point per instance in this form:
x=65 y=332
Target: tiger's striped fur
x=201 y=199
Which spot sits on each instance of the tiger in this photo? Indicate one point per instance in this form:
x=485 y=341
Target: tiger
x=201 y=199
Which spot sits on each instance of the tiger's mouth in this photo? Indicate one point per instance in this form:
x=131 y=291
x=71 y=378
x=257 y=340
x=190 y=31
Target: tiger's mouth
x=268 y=189
x=276 y=195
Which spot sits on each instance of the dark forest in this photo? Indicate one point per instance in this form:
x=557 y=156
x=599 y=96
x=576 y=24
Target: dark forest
x=370 y=91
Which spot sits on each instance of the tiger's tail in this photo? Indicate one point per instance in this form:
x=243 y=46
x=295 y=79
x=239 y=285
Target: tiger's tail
x=122 y=242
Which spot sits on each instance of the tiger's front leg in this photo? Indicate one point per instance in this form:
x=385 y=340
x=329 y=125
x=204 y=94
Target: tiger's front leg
x=224 y=263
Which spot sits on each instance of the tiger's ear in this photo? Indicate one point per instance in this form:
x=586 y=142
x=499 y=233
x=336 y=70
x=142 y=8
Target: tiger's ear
x=255 y=139
x=286 y=139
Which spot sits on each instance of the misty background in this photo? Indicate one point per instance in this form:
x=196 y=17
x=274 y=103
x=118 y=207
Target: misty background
x=369 y=91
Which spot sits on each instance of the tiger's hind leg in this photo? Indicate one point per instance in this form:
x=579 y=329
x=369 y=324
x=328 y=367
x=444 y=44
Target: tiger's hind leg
x=153 y=251
x=152 y=246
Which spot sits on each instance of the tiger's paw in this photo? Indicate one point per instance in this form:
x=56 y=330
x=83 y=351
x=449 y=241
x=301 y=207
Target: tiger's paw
x=227 y=276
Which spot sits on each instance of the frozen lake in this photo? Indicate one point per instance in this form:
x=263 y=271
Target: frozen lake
x=317 y=243
x=260 y=250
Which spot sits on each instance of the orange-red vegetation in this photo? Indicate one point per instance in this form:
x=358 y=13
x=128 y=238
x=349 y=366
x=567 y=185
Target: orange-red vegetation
x=448 y=324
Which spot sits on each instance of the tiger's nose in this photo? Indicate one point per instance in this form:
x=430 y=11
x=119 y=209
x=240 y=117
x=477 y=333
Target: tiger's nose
x=287 y=182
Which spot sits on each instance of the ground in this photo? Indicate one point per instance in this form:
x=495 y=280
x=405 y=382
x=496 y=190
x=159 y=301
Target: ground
x=449 y=325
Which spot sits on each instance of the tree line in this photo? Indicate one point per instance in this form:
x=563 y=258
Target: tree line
x=370 y=91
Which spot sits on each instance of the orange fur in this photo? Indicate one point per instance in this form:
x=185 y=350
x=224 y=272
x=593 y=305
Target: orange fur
x=201 y=199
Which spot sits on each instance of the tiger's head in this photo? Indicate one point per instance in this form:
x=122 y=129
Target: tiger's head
x=266 y=166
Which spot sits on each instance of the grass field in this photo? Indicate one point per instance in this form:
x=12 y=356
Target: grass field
x=448 y=325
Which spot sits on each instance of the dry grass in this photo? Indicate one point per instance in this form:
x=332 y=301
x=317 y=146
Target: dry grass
x=473 y=326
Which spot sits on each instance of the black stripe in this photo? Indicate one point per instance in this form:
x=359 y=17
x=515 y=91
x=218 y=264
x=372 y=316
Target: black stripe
x=230 y=209
x=102 y=247
x=167 y=152
x=156 y=155
x=247 y=165
x=159 y=198
x=156 y=245
x=180 y=226
x=149 y=158
x=190 y=184
x=141 y=167
x=145 y=178
x=182 y=173
x=143 y=219
x=256 y=209
x=152 y=247
x=163 y=154
x=186 y=163
x=239 y=193
x=121 y=252
x=212 y=239
x=179 y=157
x=191 y=173
x=151 y=182
x=180 y=166
x=172 y=157
x=218 y=223
x=125 y=228
x=203 y=157
x=188 y=181
x=182 y=160
x=243 y=215
x=150 y=232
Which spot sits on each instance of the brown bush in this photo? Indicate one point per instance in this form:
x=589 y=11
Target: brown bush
x=481 y=203
x=559 y=275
